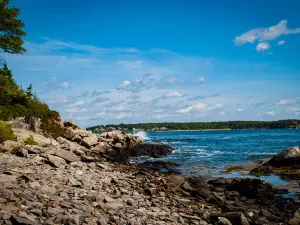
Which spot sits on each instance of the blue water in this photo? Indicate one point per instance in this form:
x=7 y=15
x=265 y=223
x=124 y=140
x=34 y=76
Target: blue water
x=210 y=152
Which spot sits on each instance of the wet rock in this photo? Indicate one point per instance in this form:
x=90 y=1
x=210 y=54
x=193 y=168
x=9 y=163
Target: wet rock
x=152 y=150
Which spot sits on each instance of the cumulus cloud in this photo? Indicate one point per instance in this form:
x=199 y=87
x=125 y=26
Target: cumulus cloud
x=271 y=113
x=158 y=110
x=288 y=101
x=239 y=110
x=77 y=103
x=262 y=46
x=265 y=34
x=281 y=42
x=222 y=113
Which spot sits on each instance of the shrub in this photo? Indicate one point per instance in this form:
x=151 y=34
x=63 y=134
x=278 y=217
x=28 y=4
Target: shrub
x=30 y=141
x=6 y=132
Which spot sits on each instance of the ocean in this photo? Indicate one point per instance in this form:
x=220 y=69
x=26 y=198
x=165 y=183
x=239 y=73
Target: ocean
x=211 y=152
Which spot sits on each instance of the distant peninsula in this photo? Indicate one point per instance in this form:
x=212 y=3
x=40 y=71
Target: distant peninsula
x=227 y=125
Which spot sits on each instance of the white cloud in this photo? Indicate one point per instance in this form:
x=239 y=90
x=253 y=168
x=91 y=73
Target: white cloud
x=289 y=101
x=294 y=111
x=124 y=84
x=265 y=34
x=77 y=103
x=200 y=107
x=262 y=46
x=281 y=42
x=124 y=115
x=239 y=110
x=158 y=110
x=271 y=113
x=159 y=116
x=175 y=94
x=200 y=80
x=222 y=113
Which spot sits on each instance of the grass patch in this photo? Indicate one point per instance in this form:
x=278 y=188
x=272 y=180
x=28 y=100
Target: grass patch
x=30 y=141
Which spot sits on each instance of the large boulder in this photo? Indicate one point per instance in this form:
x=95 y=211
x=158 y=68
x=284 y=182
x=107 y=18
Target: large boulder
x=149 y=149
x=90 y=140
x=287 y=159
x=19 y=123
x=23 y=134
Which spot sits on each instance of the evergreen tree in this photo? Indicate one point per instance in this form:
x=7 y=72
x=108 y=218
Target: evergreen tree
x=11 y=29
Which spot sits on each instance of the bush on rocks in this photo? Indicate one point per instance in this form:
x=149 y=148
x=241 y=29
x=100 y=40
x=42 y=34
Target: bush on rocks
x=5 y=132
x=30 y=141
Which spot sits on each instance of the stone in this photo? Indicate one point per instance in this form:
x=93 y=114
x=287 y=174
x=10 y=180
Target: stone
x=87 y=159
x=90 y=140
x=16 y=220
x=224 y=221
x=23 y=134
x=11 y=145
x=66 y=155
x=56 y=161
x=48 y=190
x=22 y=153
x=114 y=205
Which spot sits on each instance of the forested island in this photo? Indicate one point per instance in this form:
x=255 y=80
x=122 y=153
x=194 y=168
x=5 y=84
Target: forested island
x=232 y=125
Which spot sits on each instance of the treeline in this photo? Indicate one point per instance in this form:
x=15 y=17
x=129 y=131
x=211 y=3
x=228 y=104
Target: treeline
x=292 y=123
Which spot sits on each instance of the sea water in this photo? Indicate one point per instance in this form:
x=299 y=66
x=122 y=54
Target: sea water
x=211 y=152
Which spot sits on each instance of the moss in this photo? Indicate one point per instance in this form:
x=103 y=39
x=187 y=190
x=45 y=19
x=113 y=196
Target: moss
x=6 y=132
x=30 y=141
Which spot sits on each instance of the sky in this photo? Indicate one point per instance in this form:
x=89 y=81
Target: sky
x=102 y=62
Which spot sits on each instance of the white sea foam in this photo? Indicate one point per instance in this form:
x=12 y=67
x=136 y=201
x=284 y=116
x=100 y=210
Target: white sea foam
x=142 y=135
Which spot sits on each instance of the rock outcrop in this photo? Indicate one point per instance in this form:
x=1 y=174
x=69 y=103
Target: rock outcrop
x=284 y=162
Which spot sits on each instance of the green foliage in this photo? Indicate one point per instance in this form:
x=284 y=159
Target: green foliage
x=11 y=29
x=30 y=141
x=5 y=132
x=210 y=125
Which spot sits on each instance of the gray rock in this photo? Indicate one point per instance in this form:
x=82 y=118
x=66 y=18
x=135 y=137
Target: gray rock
x=67 y=155
x=16 y=220
x=56 y=161
x=11 y=145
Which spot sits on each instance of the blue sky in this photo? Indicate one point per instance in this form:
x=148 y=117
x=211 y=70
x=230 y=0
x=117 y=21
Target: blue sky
x=101 y=62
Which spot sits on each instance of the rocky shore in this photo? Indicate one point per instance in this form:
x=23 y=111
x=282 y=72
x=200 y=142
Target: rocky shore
x=83 y=178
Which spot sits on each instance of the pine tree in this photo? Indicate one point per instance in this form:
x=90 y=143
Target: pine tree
x=11 y=29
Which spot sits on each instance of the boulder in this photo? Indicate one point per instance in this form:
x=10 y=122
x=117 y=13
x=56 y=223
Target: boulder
x=248 y=187
x=149 y=149
x=56 y=161
x=66 y=155
x=90 y=140
x=11 y=145
x=23 y=134
x=287 y=159
x=19 y=123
